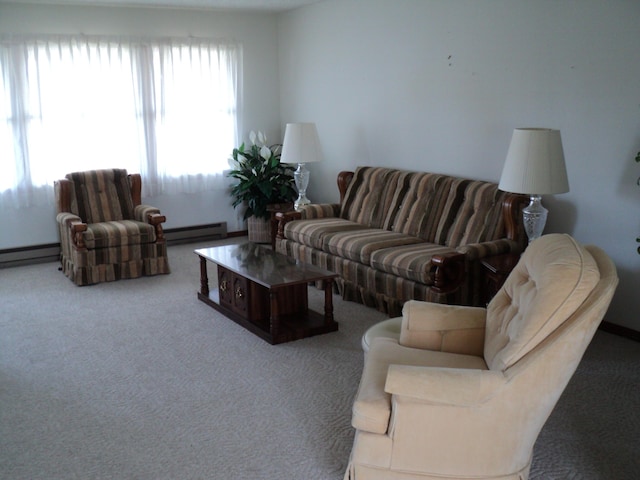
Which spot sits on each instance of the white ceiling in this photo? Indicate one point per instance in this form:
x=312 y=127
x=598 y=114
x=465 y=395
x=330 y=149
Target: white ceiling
x=246 y=5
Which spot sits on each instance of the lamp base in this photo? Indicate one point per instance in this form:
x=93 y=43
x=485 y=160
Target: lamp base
x=535 y=218
x=301 y=176
x=301 y=201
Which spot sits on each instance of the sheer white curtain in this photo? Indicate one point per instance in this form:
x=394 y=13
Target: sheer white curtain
x=163 y=107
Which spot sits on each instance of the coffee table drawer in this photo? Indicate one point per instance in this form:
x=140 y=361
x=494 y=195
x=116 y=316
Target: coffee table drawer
x=247 y=299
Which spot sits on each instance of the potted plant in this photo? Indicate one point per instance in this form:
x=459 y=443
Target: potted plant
x=261 y=181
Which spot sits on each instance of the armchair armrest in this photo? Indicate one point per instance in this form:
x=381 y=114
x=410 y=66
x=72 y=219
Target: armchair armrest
x=71 y=229
x=446 y=328
x=456 y=387
x=152 y=216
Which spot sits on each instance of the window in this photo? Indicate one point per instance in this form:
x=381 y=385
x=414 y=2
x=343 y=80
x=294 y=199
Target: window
x=164 y=108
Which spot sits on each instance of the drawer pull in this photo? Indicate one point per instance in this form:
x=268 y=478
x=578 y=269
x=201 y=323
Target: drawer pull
x=224 y=285
x=239 y=293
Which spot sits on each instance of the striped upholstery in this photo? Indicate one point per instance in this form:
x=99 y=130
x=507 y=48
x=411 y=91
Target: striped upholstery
x=411 y=261
x=118 y=234
x=369 y=196
x=359 y=245
x=314 y=232
x=424 y=205
x=479 y=217
x=119 y=241
x=101 y=195
x=320 y=210
x=390 y=225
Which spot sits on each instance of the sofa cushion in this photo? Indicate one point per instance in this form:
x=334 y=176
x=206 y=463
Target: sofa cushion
x=425 y=204
x=412 y=262
x=548 y=284
x=116 y=234
x=312 y=232
x=358 y=245
x=369 y=195
x=372 y=405
x=479 y=218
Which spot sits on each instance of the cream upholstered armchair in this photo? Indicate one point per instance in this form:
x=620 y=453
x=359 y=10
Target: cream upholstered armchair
x=105 y=232
x=464 y=391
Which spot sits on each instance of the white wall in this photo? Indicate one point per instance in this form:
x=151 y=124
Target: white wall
x=257 y=33
x=437 y=85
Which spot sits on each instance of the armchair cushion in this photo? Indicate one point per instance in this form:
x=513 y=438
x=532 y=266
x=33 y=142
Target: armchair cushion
x=537 y=298
x=102 y=195
x=447 y=328
x=117 y=234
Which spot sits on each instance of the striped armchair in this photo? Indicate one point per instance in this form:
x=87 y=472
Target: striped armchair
x=105 y=232
x=398 y=235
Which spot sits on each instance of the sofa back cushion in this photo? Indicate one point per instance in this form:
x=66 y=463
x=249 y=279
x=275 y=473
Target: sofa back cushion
x=369 y=195
x=550 y=282
x=424 y=205
x=101 y=195
x=479 y=216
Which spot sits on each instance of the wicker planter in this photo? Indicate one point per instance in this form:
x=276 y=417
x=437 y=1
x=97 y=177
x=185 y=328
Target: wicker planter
x=258 y=233
x=259 y=230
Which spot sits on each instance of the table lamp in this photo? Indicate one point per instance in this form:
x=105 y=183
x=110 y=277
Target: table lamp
x=301 y=145
x=535 y=166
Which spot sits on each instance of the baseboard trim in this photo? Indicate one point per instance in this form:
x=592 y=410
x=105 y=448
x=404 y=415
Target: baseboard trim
x=620 y=331
x=15 y=257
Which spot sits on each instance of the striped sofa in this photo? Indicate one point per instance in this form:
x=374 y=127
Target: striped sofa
x=105 y=232
x=398 y=235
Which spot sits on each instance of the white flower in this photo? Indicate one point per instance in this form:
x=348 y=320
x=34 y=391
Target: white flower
x=265 y=152
x=252 y=137
x=262 y=138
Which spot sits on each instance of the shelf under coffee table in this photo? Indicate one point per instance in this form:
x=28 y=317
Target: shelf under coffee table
x=266 y=292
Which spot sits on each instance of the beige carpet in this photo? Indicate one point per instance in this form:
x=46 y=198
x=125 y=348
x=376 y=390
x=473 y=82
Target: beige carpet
x=138 y=379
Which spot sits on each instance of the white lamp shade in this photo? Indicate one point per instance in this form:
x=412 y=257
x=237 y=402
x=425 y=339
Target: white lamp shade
x=535 y=163
x=301 y=144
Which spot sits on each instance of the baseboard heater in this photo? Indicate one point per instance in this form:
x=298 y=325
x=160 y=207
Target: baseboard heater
x=50 y=252
x=213 y=231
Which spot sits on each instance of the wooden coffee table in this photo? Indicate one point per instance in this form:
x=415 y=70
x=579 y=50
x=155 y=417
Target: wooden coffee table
x=266 y=292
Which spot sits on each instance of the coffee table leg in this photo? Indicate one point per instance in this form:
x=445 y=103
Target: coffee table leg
x=328 y=301
x=204 y=279
x=274 y=320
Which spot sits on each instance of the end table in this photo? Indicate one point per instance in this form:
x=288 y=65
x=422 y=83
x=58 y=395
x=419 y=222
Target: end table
x=496 y=270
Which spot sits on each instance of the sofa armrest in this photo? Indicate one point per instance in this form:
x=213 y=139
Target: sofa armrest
x=319 y=210
x=456 y=387
x=314 y=210
x=344 y=179
x=447 y=271
x=477 y=251
x=446 y=328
